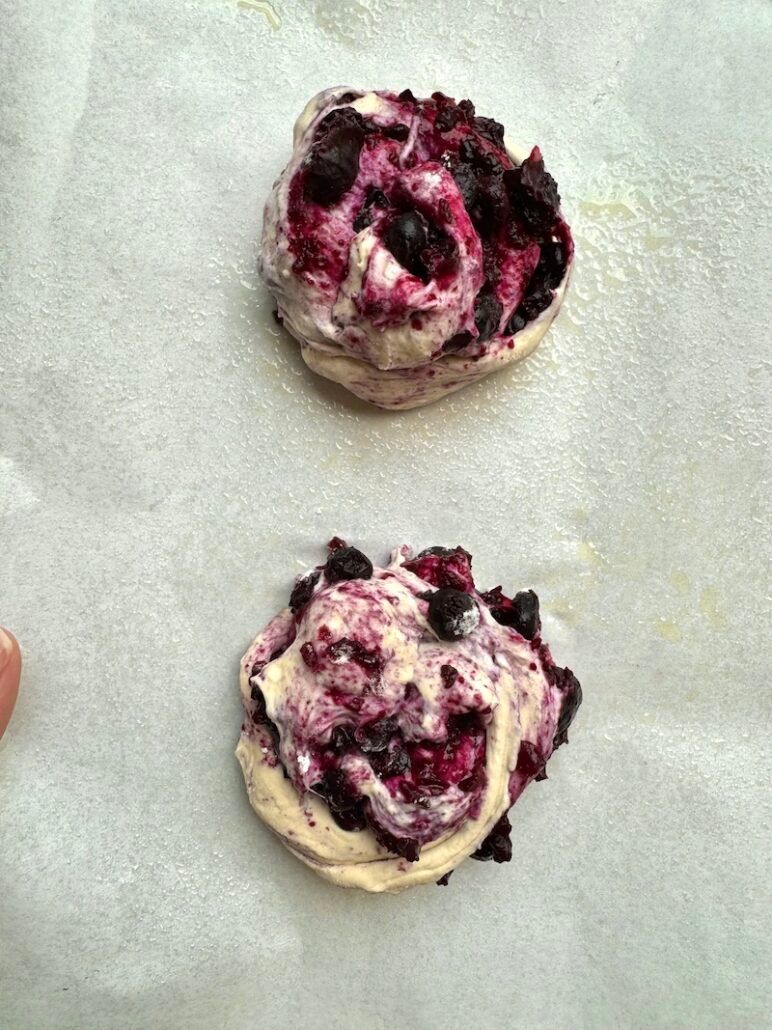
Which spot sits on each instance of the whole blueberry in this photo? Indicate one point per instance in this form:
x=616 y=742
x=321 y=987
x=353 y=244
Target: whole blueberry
x=348 y=563
x=406 y=238
x=525 y=614
x=453 y=614
x=487 y=314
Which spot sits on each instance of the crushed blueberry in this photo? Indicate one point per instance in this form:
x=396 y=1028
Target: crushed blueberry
x=392 y=761
x=529 y=760
x=346 y=807
x=444 y=567
x=445 y=880
x=341 y=739
x=405 y=847
x=310 y=657
x=521 y=613
x=375 y=199
x=498 y=844
x=347 y=650
x=347 y=563
x=376 y=736
x=453 y=614
x=448 y=675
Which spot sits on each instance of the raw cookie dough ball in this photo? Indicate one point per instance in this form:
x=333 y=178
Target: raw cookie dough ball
x=394 y=715
x=411 y=250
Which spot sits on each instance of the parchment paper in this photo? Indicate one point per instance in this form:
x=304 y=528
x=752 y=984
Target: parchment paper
x=167 y=465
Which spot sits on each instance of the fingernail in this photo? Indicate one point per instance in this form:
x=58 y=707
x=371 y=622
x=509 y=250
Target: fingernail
x=6 y=646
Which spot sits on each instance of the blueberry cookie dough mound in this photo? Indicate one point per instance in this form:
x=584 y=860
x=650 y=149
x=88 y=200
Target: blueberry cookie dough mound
x=394 y=715
x=410 y=248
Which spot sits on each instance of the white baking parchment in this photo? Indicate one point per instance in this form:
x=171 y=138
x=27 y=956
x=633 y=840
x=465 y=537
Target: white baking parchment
x=167 y=465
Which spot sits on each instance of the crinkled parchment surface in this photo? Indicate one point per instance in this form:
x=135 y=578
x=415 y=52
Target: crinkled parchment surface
x=167 y=463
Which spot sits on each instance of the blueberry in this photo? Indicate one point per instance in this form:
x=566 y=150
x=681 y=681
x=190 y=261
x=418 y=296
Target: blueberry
x=406 y=238
x=515 y=324
x=534 y=194
x=466 y=181
x=405 y=847
x=406 y=96
x=491 y=130
x=552 y=263
x=439 y=552
x=453 y=614
x=399 y=132
x=333 y=164
x=466 y=107
x=457 y=342
x=362 y=220
x=447 y=119
x=529 y=759
x=348 y=98
x=375 y=736
x=260 y=716
x=346 y=807
x=497 y=845
x=571 y=689
x=347 y=650
x=448 y=675
x=392 y=762
x=341 y=739
x=470 y=152
x=348 y=563
x=302 y=591
x=375 y=198
x=537 y=299
x=525 y=614
x=444 y=880
x=487 y=315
